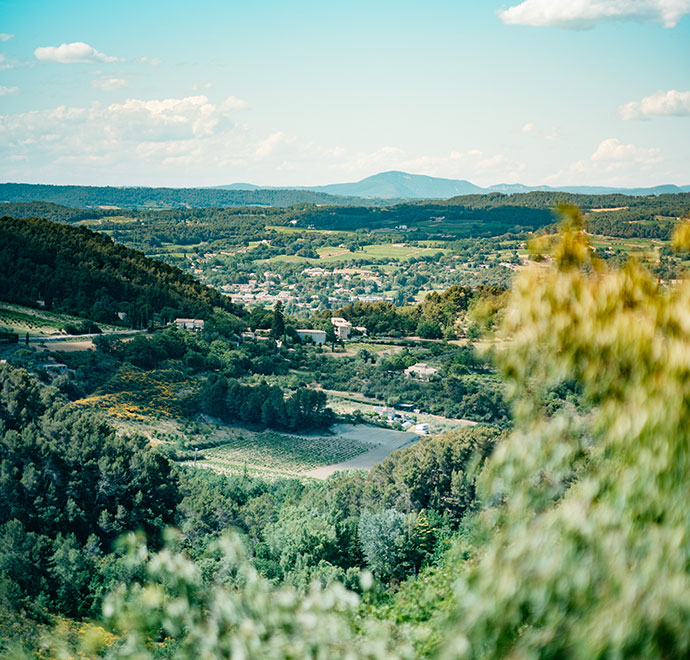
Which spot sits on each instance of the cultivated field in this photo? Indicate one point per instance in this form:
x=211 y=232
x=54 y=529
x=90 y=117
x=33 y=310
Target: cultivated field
x=278 y=453
x=388 y=251
x=20 y=319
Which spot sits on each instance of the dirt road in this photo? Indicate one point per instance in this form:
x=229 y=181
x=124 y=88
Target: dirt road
x=386 y=441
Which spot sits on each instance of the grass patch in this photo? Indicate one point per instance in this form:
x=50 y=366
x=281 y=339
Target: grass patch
x=331 y=255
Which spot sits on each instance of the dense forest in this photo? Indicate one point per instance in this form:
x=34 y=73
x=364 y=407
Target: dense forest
x=80 y=272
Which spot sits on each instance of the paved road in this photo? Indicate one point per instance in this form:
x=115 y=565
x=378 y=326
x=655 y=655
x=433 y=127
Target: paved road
x=386 y=441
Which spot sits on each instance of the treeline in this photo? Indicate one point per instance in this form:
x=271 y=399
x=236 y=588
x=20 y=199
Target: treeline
x=677 y=203
x=133 y=198
x=630 y=223
x=265 y=405
x=83 y=273
x=431 y=220
x=435 y=317
x=492 y=214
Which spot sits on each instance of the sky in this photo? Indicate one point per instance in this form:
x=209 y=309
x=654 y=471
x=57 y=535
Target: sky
x=206 y=93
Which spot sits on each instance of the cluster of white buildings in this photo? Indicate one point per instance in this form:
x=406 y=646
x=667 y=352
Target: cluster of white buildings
x=342 y=328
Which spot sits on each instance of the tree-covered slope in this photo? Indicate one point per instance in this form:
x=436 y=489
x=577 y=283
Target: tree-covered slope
x=136 y=198
x=80 y=272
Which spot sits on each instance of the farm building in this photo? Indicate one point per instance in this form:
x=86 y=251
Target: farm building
x=55 y=367
x=193 y=325
x=315 y=336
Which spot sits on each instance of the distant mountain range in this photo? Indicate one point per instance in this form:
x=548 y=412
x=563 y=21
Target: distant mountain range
x=384 y=189
x=401 y=185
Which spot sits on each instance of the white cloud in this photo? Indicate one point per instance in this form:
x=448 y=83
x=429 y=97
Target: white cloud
x=528 y=127
x=109 y=84
x=611 y=163
x=614 y=153
x=233 y=103
x=671 y=103
x=77 y=51
x=196 y=141
x=7 y=91
x=5 y=36
x=553 y=134
x=584 y=14
x=272 y=144
x=135 y=142
x=197 y=86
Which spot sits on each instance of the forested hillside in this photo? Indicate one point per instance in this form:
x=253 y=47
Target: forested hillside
x=70 y=486
x=134 y=198
x=80 y=272
x=493 y=214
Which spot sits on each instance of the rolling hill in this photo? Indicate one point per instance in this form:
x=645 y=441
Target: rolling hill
x=76 y=271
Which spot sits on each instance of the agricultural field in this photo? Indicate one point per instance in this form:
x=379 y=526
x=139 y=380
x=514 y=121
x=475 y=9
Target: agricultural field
x=232 y=449
x=281 y=454
x=37 y=322
x=384 y=251
x=640 y=248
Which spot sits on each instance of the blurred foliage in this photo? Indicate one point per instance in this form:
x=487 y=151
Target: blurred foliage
x=591 y=531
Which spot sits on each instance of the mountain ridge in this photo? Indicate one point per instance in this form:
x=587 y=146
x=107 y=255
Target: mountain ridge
x=395 y=184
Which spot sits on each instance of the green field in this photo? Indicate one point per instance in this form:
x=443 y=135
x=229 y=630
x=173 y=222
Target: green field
x=391 y=252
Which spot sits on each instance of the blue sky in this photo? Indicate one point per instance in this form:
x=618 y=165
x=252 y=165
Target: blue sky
x=280 y=93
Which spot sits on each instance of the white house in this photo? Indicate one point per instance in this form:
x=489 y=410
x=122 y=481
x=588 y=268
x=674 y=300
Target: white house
x=315 y=336
x=420 y=370
x=342 y=327
x=193 y=325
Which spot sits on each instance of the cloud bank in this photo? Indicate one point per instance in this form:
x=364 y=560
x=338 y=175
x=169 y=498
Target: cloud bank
x=72 y=53
x=661 y=104
x=585 y=14
x=197 y=141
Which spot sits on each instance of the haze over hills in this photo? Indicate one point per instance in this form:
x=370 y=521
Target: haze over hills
x=382 y=189
x=401 y=185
